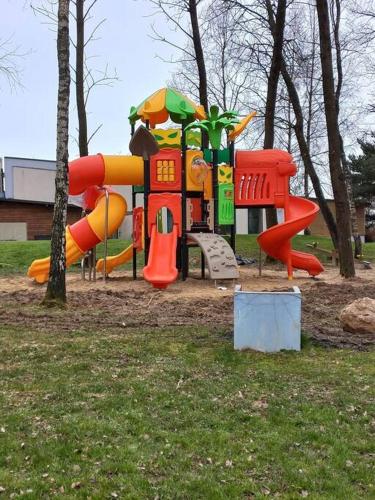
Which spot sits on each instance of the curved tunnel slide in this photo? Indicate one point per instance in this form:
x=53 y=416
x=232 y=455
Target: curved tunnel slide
x=85 y=176
x=275 y=241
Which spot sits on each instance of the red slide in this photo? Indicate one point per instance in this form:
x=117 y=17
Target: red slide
x=275 y=241
x=161 y=267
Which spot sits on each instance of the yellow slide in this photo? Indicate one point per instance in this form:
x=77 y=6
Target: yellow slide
x=85 y=234
x=39 y=269
x=115 y=260
x=96 y=170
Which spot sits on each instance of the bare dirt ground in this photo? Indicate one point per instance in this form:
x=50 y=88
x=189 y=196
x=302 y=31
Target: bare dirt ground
x=124 y=303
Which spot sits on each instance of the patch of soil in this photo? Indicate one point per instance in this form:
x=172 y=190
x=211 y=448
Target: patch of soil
x=110 y=309
x=321 y=306
x=122 y=303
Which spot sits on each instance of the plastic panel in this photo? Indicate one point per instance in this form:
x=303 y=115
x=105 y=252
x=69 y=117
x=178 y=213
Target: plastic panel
x=165 y=169
x=208 y=191
x=261 y=177
x=193 y=177
x=225 y=174
x=169 y=200
x=197 y=209
x=138 y=228
x=226 y=204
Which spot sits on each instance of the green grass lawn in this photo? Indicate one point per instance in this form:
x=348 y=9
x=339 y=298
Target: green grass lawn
x=15 y=257
x=176 y=413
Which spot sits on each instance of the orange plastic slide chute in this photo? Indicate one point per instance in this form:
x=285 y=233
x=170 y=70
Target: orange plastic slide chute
x=275 y=241
x=161 y=267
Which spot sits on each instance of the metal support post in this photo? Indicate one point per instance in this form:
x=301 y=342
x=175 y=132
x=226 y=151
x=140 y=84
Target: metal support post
x=106 y=234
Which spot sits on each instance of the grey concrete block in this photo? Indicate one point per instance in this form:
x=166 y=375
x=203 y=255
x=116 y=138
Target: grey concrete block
x=267 y=321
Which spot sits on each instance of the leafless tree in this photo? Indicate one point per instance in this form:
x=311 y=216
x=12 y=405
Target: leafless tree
x=184 y=16
x=9 y=58
x=365 y=9
x=335 y=7
x=363 y=24
x=291 y=113
x=227 y=87
x=298 y=70
x=84 y=76
x=277 y=27
x=80 y=17
x=56 y=288
x=333 y=133
x=299 y=129
x=246 y=47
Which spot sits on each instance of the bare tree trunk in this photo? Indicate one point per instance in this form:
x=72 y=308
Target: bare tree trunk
x=308 y=134
x=56 y=289
x=306 y=192
x=352 y=207
x=201 y=65
x=304 y=148
x=310 y=93
x=198 y=49
x=80 y=89
x=334 y=145
x=83 y=76
x=348 y=178
x=277 y=28
x=273 y=78
x=306 y=156
x=290 y=128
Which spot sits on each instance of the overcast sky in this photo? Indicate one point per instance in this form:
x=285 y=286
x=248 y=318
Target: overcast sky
x=28 y=114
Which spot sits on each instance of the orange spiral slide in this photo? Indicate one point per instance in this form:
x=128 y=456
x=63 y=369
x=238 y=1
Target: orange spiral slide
x=262 y=180
x=94 y=172
x=275 y=241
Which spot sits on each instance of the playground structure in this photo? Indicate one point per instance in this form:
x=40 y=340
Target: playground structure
x=189 y=192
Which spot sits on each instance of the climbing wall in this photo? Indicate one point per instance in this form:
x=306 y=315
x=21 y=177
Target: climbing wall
x=220 y=259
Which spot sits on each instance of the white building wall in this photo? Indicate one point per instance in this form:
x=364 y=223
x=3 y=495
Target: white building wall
x=242 y=221
x=28 y=179
x=13 y=231
x=33 y=184
x=126 y=228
